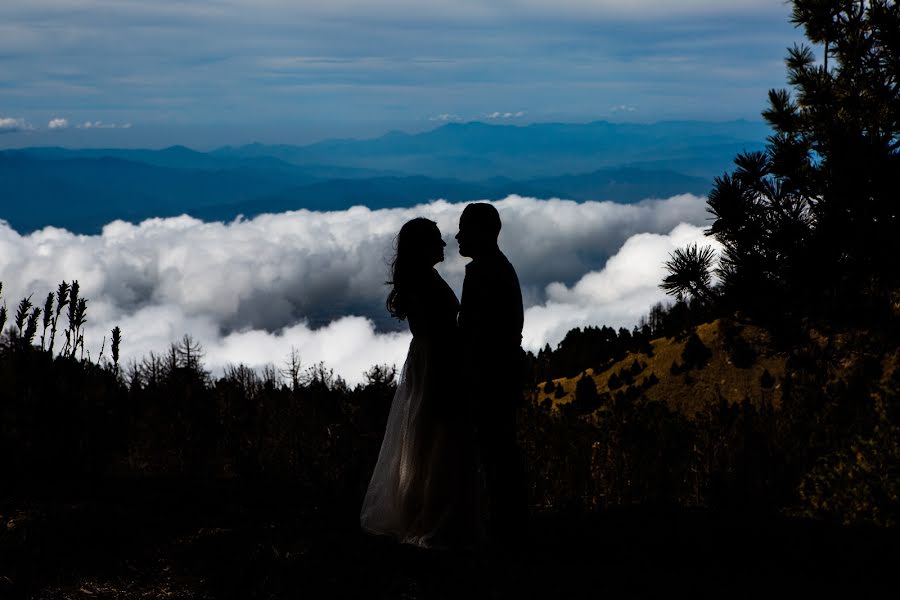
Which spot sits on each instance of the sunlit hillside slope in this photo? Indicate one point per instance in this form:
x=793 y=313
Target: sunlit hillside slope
x=741 y=363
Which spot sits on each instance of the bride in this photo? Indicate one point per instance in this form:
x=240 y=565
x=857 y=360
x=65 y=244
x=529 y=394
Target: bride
x=422 y=490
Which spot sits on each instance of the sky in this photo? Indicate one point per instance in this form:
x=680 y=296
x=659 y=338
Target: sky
x=247 y=290
x=204 y=73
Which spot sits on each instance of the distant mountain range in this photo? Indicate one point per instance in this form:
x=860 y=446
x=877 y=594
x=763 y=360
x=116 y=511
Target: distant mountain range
x=478 y=150
x=83 y=189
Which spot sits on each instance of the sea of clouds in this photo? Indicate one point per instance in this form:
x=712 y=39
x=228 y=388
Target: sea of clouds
x=251 y=290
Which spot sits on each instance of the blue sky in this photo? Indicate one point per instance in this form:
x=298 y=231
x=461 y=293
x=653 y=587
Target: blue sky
x=210 y=72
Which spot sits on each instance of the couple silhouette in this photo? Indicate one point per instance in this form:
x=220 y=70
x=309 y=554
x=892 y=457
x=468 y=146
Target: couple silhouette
x=449 y=472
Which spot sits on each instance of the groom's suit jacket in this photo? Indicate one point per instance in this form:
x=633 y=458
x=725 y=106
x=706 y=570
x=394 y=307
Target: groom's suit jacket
x=490 y=321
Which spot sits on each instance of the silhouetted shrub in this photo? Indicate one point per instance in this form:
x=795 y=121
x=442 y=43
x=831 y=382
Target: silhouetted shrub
x=587 y=399
x=858 y=481
x=742 y=354
x=695 y=353
x=614 y=382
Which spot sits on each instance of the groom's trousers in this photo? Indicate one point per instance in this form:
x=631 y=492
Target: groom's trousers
x=498 y=398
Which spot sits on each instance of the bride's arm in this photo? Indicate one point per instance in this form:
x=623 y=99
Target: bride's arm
x=417 y=314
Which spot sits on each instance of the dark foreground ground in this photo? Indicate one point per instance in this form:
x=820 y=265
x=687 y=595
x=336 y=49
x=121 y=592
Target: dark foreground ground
x=158 y=540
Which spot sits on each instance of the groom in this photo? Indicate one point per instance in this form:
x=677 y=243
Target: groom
x=490 y=322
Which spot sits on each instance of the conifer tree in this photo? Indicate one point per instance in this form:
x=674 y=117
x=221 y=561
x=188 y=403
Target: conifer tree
x=810 y=225
x=586 y=394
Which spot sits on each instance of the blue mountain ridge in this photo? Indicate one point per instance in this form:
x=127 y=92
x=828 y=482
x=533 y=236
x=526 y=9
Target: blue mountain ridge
x=82 y=189
x=478 y=150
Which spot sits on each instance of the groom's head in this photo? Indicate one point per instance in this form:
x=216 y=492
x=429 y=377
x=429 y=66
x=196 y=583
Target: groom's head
x=479 y=227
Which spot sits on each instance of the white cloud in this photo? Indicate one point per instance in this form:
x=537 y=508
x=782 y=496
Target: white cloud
x=505 y=115
x=102 y=125
x=617 y=295
x=349 y=343
x=622 y=108
x=58 y=123
x=446 y=117
x=9 y=125
x=251 y=289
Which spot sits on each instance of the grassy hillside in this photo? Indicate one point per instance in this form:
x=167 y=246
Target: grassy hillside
x=740 y=355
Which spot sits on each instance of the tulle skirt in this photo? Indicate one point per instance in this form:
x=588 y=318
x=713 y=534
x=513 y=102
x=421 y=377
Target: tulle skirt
x=423 y=490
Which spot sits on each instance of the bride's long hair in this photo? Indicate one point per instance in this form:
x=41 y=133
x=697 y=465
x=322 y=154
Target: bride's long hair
x=407 y=262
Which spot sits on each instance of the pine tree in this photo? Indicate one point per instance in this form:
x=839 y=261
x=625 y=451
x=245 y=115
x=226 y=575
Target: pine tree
x=614 y=381
x=811 y=224
x=695 y=353
x=586 y=395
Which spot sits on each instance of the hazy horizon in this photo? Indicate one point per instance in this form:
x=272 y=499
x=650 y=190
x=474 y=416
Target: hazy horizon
x=119 y=138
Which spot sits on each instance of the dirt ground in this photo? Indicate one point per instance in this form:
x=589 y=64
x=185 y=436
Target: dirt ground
x=223 y=540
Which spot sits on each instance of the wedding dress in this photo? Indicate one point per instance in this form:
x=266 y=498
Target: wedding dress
x=423 y=488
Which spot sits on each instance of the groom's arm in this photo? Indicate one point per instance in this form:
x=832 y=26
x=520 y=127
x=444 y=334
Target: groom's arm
x=472 y=305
